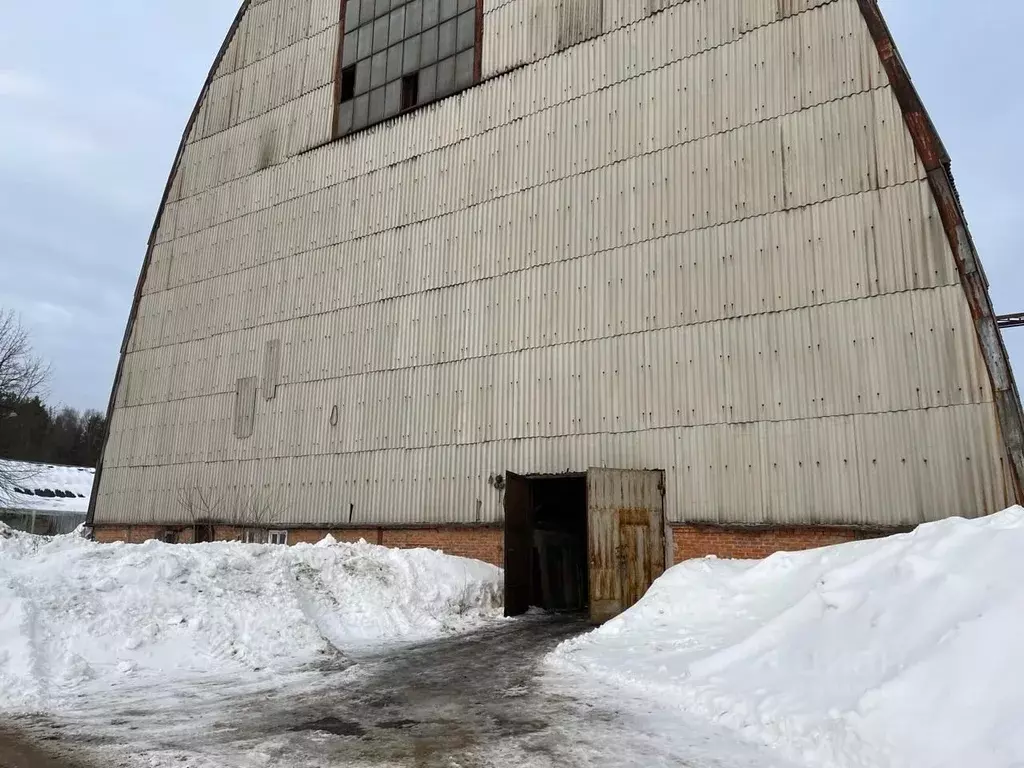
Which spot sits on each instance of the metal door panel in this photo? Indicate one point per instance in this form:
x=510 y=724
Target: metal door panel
x=518 y=544
x=626 y=516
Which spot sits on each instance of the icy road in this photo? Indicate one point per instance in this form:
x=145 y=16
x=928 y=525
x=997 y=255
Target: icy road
x=478 y=700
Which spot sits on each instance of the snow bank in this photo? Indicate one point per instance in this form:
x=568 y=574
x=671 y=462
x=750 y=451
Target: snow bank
x=72 y=611
x=898 y=652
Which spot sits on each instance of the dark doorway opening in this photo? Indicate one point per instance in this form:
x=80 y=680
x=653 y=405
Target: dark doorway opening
x=546 y=563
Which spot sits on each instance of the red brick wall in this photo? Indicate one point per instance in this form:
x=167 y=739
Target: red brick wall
x=485 y=544
x=136 y=534
x=692 y=541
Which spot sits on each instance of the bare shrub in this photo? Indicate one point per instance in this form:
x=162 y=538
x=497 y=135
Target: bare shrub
x=248 y=510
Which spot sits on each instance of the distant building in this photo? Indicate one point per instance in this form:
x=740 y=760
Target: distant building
x=657 y=278
x=46 y=499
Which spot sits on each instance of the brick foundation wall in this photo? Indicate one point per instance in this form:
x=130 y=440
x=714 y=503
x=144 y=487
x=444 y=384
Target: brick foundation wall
x=693 y=541
x=485 y=544
x=136 y=534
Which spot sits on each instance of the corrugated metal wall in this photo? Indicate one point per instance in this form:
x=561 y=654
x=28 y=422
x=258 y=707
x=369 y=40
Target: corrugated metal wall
x=698 y=240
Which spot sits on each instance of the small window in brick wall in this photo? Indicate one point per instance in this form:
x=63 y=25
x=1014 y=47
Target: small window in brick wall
x=253 y=536
x=277 y=537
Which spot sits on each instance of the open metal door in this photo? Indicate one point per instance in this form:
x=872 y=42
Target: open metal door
x=626 y=533
x=518 y=544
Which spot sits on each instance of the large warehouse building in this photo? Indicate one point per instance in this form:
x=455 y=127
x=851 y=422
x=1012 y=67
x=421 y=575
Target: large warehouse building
x=579 y=286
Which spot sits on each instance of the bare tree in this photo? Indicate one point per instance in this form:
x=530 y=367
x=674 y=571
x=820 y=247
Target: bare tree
x=15 y=475
x=22 y=373
x=252 y=512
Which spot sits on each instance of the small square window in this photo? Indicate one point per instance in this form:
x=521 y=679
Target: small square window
x=380 y=34
x=376 y=106
x=362 y=76
x=360 y=112
x=428 y=84
x=428 y=47
x=393 y=99
x=464 y=69
x=252 y=536
x=413 y=17
x=352 y=10
x=466 y=35
x=396 y=26
x=430 y=13
x=449 y=8
x=410 y=90
x=349 y=48
x=365 y=46
x=381 y=8
x=446 y=77
x=411 y=55
x=446 y=39
x=366 y=11
x=277 y=537
x=378 y=69
x=348 y=83
x=394 y=65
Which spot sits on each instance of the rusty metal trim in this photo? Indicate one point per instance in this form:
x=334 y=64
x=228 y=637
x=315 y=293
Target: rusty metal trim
x=972 y=276
x=91 y=514
x=478 y=43
x=338 y=57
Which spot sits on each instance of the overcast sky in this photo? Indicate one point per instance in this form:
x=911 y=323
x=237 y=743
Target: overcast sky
x=94 y=96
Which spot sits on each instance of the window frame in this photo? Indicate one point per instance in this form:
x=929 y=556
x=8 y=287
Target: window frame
x=340 y=66
x=277 y=537
x=253 y=536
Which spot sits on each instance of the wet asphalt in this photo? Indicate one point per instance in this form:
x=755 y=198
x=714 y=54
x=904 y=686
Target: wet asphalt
x=441 y=704
x=483 y=700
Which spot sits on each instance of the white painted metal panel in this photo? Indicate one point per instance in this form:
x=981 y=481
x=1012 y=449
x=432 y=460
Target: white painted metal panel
x=701 y=240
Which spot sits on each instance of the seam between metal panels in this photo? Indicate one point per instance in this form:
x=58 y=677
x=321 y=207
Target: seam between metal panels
x=469 y=137
x=540 y=265
x=560 y=436
x=528 y=188
x=972 y=277
x=533 y=348
x=91 y=513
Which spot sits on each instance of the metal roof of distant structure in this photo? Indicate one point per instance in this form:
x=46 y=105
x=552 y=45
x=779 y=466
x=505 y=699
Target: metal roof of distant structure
x=45 y=487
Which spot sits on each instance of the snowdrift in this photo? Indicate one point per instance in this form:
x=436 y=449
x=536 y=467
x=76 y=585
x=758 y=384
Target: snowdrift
x=73 y=611
x=897 y=652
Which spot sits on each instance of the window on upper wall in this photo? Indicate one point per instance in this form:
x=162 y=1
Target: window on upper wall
x=397 y=55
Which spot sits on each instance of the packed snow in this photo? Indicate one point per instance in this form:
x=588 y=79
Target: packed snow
x=896 y=652
x=74 y=613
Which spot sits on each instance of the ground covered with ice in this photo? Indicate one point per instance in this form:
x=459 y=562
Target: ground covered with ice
x=77 y=617
x=897 y=652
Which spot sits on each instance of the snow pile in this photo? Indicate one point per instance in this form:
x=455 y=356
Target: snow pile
x=73 y=611
x=897 y=652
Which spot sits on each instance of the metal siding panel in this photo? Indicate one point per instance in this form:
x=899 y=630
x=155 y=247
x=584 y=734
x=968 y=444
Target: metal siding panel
x=651 y=292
